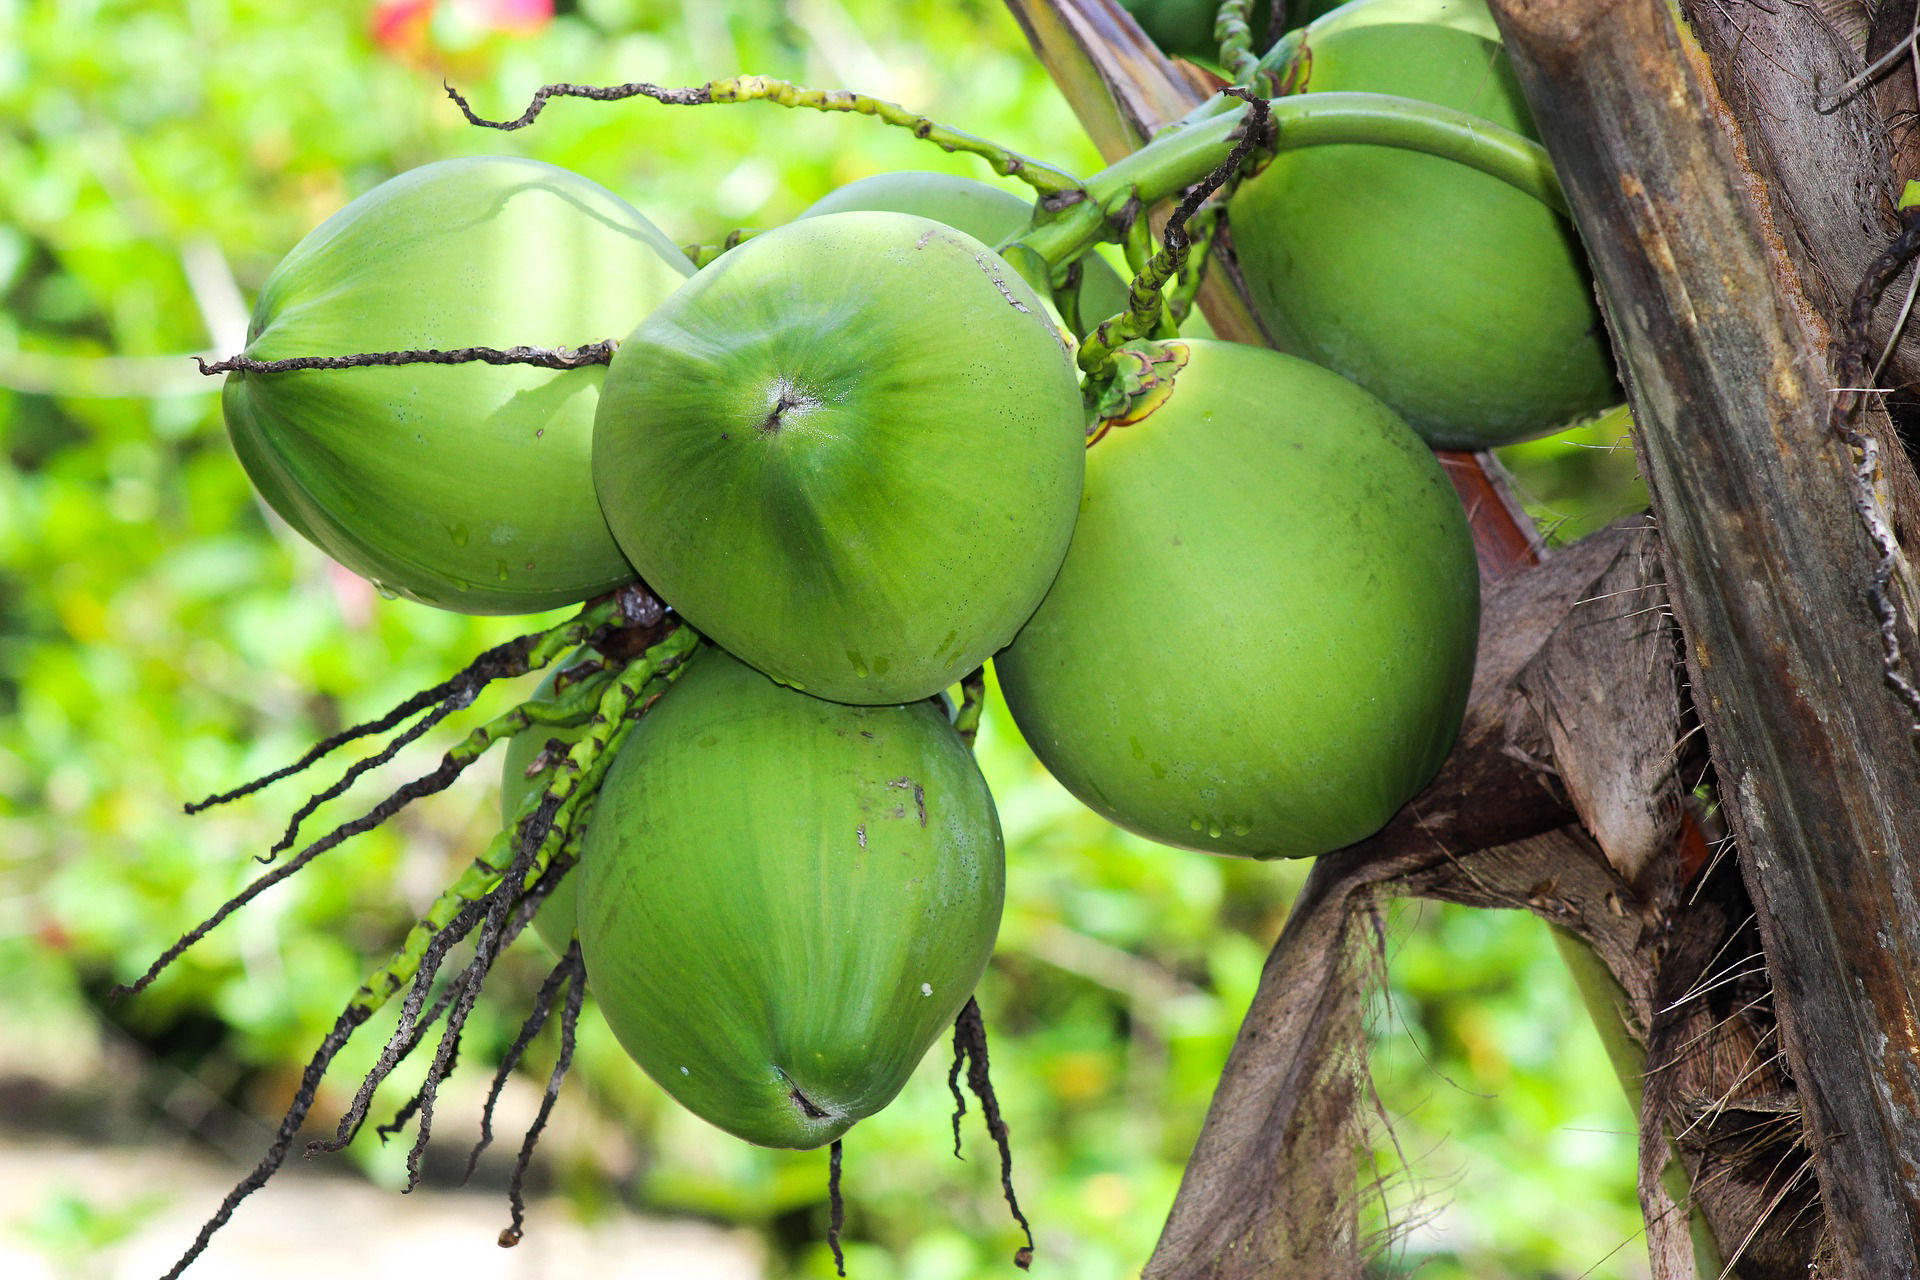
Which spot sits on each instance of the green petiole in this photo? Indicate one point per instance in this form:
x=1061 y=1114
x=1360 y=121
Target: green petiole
x=1185 y=153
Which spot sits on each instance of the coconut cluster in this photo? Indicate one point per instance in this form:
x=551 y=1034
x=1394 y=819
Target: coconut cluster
x=1234 y=608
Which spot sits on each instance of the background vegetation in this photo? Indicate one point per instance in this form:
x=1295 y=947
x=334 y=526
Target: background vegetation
x=161 y=637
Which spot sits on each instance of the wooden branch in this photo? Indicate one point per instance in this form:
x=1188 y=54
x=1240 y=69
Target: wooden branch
x=1727 y=366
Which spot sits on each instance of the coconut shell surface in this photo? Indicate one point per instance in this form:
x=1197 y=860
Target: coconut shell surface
x=466 y=486
x=849 y=451
x=989 y=214
x=787 y=900
x=1458 y=300
x=1263 y=636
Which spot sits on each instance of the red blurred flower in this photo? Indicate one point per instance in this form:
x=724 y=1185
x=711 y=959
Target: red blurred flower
x=405 y=26
x=401 y=25
x=521 y=17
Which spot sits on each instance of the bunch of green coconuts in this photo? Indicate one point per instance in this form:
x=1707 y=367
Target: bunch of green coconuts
x=1232 y=607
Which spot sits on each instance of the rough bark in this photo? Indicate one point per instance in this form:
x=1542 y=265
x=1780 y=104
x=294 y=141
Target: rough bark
x=1728 y=366
x=1834 y=160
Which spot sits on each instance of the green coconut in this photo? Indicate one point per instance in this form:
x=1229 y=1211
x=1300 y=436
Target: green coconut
x=989 y=214
x=468 y=486
x=849 y=451
x=1262 y=639
x=1467 y=15
x=787 y=900
x=1461 y=302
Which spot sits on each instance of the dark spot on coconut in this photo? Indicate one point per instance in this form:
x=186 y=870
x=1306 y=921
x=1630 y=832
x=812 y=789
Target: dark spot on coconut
x=925 y=237
x=919 y=797
x=1000 y=283
x=806 y=1106
x=861 y=832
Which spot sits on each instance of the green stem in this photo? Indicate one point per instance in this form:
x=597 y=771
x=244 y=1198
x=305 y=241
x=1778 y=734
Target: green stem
x=1180 y=299
x=570 y=708
x=1066 y=299
x=973 y=703
x=1186 y=153
x=1136 y=246
x=1231 y=29
x=1608 y=1006
x=1146 y=312
x=574 y=631
x=573 y=784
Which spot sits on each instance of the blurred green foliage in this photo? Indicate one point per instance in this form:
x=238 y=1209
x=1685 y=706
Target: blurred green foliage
x=162 y=637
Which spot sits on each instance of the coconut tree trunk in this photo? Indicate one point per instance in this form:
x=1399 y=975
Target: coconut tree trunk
x=1731 y=365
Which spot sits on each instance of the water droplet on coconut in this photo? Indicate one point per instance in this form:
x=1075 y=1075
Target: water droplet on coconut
x=926 y=988
x=1196 y=824
x=859 y=664
x=385 y=592
x=459 y=534
x=1242 y=827
x=1213 y=829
